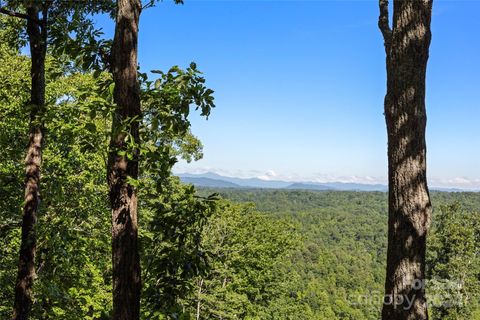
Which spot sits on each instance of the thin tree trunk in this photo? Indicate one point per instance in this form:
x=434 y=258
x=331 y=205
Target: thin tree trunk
x=123 y=196
x=407 y=50
x=26 y=266
x=199 y=300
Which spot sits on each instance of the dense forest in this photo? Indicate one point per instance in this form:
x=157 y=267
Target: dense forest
x=94 y=225
x=338 y=270
x=269 y=254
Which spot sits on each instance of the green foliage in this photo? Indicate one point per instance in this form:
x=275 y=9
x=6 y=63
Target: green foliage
x=73 y=230
x=74 y=243
x=454 y=264
x=173 y=218
x=74 y=36
x=11 y=31
x=71 y=29
x=165 y=127
x=338 y=270
x=14 y=94
x=246 y=249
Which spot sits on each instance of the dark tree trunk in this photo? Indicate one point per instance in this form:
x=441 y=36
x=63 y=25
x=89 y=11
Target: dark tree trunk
x=26 y=266
x=407 y=49
x=123 y=196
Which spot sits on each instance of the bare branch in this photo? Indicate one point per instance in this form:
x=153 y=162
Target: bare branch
x=383 y=22
x=19 y=15
x=149 y=4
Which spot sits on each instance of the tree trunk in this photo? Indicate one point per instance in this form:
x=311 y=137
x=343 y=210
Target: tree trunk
x=123 y=196
x=407 y=49
x=199 y=299
x=26 y=266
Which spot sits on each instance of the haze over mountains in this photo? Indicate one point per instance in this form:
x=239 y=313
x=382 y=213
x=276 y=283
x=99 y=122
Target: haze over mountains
x=214 y=180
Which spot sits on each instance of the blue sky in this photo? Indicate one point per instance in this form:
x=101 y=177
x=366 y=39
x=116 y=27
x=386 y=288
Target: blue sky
x=299 y=87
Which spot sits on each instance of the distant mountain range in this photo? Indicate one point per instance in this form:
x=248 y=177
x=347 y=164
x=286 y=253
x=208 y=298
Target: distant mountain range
x=214 y=180
x=208 y=182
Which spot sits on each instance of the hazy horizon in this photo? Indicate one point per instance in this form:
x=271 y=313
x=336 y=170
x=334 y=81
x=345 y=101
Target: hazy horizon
x=459 y=183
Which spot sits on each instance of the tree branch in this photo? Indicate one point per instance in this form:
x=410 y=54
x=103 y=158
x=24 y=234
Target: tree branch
x=44 y=21
x=383 y=22
x=19 y=15
x=149 y=4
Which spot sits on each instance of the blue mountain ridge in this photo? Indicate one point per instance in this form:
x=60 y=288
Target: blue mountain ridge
x=214 y=180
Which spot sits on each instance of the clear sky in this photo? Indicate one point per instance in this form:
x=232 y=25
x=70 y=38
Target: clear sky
x=299 y=87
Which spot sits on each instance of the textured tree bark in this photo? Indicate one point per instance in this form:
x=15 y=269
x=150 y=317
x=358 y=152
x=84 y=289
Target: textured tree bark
x=123 y=196
x=407 y=50
x=26 y=265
